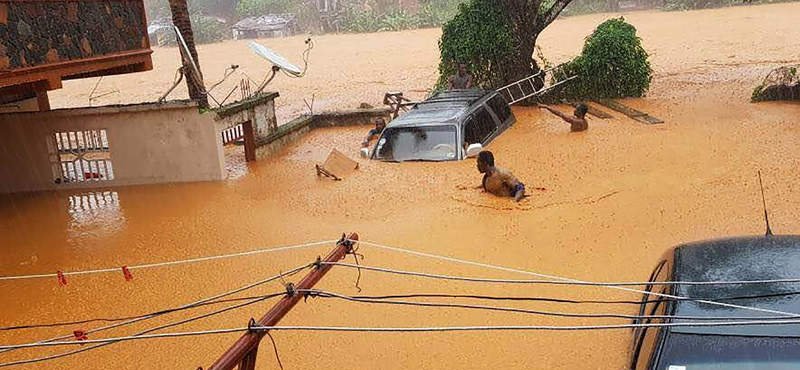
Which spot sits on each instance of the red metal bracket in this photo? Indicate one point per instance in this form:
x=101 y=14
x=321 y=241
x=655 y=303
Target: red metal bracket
x=127 y=273
x=80 y=335
x=62 y=281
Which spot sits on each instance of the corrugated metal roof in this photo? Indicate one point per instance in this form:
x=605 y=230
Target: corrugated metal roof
x=267 y=22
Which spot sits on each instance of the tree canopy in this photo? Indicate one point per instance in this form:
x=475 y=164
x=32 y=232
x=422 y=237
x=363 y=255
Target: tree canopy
x=496 y=38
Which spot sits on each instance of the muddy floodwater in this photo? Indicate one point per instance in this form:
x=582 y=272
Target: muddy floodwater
x=615 y=199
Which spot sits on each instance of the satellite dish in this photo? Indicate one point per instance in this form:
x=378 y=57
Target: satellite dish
x=275 y=58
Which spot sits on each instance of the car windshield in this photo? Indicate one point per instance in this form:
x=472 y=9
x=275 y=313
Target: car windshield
x=434 y=143
x=720 y=352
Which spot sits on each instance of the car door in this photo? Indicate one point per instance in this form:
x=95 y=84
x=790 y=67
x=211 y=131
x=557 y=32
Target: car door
x=647 y=340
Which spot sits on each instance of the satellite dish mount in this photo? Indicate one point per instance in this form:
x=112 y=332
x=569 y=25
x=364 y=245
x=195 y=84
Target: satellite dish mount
x=188 y=68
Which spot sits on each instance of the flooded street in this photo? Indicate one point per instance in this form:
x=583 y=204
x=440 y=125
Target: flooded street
x=616 y=198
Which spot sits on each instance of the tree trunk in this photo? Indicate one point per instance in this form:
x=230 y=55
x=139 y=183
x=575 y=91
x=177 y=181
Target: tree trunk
x=528 y=20
x=180 y=18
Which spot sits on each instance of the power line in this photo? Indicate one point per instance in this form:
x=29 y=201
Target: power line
x=554 y=282
x=553 y=277
x=142 y=334
x=116 y=319
x=325 y=294
x=218 y=296
x=410 y=330
x=505 y=298
x=569 y=301
x=528 y=328
x=169 y=263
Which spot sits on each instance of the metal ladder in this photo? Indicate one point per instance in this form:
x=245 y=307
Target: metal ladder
x=516 y=92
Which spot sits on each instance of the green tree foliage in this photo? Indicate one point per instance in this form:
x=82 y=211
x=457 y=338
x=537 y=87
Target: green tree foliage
x=206 y=29
x=254 y=8
x=480 y=36
x=613 y=64
x=435 y=13
x=579 y=7
x=386 y=16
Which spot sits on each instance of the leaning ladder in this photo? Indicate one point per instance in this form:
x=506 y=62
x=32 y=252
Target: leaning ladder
x=525 y=88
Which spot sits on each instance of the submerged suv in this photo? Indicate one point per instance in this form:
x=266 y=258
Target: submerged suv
x=449 y=126
x=751 y=347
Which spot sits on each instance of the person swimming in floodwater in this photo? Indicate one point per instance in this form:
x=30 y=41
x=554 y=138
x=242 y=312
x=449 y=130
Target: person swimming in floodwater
x=499 y=181
x=577 y=122
x=375 y=133
x=462 y=80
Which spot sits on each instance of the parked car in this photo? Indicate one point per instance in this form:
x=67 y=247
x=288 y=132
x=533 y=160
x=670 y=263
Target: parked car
x=762 y=347
x=448 y=126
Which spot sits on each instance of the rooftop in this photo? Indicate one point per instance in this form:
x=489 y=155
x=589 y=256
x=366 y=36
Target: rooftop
x=265 y=22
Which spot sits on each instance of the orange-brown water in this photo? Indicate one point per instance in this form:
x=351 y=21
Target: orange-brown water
x=617 y=197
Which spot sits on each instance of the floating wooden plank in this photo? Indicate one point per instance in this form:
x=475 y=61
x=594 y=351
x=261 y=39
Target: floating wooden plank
x=594 y=111
x=337 y=166
x=630 y=112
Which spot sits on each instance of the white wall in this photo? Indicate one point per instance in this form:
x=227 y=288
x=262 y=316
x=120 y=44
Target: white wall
x=149 y=144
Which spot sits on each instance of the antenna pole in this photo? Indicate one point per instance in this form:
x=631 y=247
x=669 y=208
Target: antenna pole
x=764 y=202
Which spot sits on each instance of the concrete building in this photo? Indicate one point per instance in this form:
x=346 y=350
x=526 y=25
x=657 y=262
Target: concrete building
x=43 y=42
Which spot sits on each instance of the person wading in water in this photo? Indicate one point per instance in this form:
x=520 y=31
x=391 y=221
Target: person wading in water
x=498 y=181
x=462 y=80
x=577 y=122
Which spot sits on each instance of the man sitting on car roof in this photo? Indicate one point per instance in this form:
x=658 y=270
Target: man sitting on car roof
x=499 y=181
x=461 y=80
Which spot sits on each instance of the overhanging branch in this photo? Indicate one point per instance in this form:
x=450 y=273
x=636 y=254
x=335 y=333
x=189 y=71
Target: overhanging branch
x=544 y=19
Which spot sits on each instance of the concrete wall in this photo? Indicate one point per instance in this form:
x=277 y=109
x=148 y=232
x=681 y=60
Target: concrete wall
x=149 y=143
x=259 y=109
x=353 y=117
x=298 y=128
x=27 y=105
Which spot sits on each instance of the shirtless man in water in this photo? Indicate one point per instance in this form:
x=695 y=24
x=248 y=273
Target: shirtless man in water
x=577 y=122
x=499 y=181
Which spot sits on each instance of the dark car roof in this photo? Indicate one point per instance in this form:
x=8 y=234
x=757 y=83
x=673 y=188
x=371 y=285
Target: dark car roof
x=442 y=108
x=470 y=96
x=739 y=259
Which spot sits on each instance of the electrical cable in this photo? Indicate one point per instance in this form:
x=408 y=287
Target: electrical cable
x=570 y=301
x=410 y=330
x=553 y=282
x=500 y=268
x=170 y=263
x=325 y=294
x=116 y=319
x=218 y=296
x=102 y=343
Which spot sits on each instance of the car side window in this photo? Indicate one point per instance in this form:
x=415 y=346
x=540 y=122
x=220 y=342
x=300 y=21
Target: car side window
x=499 y=107
x=479 y=127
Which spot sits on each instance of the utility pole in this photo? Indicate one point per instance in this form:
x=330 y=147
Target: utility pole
x=180 y=18
x=243 y=352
